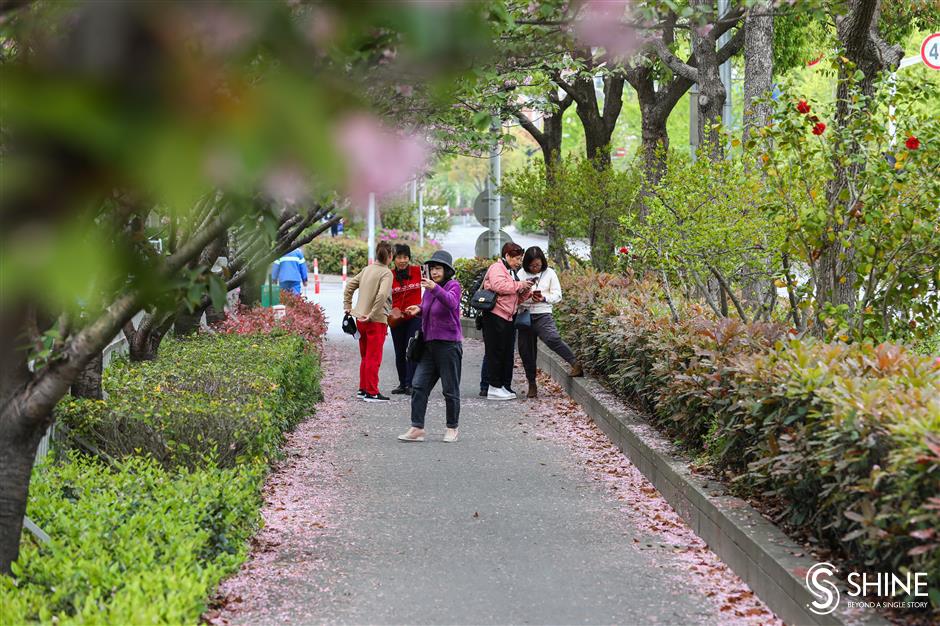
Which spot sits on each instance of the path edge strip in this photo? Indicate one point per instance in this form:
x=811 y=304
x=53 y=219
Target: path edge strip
x=754 y=548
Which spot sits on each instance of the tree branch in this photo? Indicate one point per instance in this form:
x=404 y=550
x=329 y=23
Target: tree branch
x=673 y=62
x=53 y=382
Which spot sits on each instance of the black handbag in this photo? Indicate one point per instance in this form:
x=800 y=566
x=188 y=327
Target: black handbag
x=483 y=300
x=523 y=319
x=415 y=349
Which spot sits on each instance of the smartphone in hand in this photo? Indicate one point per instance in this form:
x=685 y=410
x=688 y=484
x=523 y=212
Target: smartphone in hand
x=425 y=275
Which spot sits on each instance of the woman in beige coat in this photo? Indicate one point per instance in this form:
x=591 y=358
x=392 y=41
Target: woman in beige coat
x=374 y=284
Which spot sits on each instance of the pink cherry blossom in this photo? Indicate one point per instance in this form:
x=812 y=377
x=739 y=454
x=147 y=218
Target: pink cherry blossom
x=378 y=158
x=286 y=184
x=601 y=23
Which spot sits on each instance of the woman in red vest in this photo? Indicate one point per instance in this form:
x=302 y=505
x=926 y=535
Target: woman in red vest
x=406 y=292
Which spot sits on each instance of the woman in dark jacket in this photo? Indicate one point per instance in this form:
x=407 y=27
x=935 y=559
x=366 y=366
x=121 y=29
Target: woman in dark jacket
x=443 y=347
x=406 y=292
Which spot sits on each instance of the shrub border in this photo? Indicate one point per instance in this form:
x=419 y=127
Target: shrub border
x=754 y=548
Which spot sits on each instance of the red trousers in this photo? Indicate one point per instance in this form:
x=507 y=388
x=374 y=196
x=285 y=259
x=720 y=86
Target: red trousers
x=371 y=343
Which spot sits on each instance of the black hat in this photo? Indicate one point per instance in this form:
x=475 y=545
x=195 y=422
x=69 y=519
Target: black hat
x=349 y=324
x=442 y=257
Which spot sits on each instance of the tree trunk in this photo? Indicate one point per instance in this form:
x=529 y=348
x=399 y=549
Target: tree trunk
x=549 y=139
x=187 y=323
x=88 y=383
x=655 y=144
x=598 y=128
x=144 y=341
x=19 y=441
x=758 y=66
x=711 y=98
x=250 y=293
x=214 y=316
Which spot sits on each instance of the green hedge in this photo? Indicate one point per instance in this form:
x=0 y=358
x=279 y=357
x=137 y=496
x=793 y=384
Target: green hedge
x=229 y=397
x=134 y=544
x=466 y=273
x=329 y=251
x=843 y=439
x=146 y=538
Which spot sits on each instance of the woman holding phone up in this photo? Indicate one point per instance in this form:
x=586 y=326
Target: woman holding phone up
x=546 y=291
x=443 y=346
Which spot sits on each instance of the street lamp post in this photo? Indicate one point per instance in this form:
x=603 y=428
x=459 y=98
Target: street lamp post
x=421 y=214
x=494 y=203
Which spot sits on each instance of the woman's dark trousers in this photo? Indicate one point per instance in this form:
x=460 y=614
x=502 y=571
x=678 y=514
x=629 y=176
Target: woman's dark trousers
x=400 y=336
x=543 y=327
x=441 y=360
x=499 y=341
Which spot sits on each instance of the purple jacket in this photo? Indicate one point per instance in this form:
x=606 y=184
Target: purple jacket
x=440 y=313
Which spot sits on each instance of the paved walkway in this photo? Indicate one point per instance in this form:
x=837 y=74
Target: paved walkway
x=509 y=525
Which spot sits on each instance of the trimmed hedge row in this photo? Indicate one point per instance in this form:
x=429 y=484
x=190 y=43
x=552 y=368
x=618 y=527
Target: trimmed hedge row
x=147 y=538
x=228 y=397
x=845 y=439
x=329 y=252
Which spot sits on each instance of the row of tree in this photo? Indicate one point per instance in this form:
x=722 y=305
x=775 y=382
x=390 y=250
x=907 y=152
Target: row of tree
x=557 y=55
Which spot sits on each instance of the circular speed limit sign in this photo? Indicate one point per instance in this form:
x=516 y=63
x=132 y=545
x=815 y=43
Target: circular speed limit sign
x=930 y=51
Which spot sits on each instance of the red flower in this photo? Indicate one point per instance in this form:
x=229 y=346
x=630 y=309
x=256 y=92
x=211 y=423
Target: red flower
x=624 y=250
x=912 y=143
x=802 y=107
x=819 y=128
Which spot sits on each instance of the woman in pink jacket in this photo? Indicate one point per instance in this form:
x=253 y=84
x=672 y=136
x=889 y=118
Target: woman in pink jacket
x=498 y=323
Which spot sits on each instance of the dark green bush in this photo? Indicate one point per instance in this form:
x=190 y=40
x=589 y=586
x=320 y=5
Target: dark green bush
x=845 y=437
x=133 y=544
x=467 y=271
x=228 y=397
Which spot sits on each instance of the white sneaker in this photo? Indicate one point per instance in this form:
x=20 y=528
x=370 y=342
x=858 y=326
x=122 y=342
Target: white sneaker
x=450 y=435
x=413 y=434
x=499 y=393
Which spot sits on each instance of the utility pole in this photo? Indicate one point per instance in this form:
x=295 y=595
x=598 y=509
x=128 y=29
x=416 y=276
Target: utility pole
x=494 y=181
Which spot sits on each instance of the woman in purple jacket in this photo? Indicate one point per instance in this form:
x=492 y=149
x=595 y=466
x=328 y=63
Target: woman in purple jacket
x=443 y=347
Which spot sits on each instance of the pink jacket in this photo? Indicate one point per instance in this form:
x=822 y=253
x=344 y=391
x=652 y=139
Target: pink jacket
x=507 y=289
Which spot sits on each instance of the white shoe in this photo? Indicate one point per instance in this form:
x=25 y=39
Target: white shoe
x=450 y=435
x=413 y=434
x=499 y=393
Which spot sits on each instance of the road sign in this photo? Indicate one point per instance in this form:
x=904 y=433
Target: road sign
x=930 y=51
x=482 y=247
x=481 y=209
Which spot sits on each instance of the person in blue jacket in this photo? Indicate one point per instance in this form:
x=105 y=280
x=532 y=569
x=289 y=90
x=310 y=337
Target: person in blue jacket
x=290 y=271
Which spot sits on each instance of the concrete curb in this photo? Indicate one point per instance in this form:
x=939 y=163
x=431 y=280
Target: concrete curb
x=755 y=549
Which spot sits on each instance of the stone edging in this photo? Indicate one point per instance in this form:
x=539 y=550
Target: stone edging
x=755 y=549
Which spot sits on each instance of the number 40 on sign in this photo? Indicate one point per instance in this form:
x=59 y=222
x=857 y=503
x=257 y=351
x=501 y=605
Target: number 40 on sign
x=930 y=51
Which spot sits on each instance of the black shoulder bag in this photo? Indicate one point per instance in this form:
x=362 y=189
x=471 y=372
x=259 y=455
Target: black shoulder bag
x=415 y=349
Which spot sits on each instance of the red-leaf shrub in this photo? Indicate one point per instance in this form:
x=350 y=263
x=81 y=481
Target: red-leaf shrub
x=302 y=318
x=847 y=437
